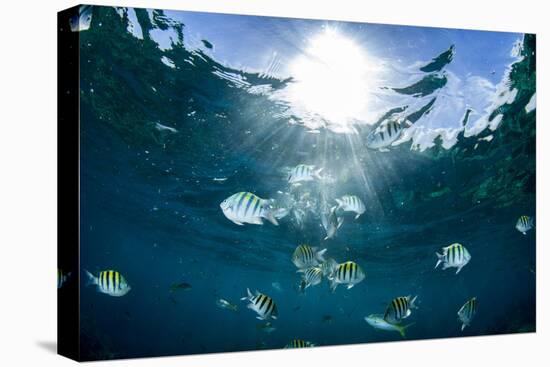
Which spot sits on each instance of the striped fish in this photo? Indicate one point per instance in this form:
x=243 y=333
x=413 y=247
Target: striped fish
x=245 y=207
x=524 y=224
x=348 y=273
x=304 y=173
x=62 y=278
x=263 y=305
x=311 y=276
x=328 y=267
x=385 y=134
x=351 y=203
x=306 y=256
x=454 y=256
x=467 y=312
x=399 y=309
x=299 y=343
x=110 y=282
x=331 y=221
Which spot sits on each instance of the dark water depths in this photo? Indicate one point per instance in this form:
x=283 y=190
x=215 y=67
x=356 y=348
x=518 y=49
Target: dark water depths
x=150 y=209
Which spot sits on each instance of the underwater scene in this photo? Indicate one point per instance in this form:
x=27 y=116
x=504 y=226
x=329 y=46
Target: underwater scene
x=255 y=183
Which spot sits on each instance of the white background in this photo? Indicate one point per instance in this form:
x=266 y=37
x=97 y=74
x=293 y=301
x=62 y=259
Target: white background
x=28 y=144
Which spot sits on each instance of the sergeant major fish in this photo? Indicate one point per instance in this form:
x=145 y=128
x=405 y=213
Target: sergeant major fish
x=351 y=203
x=331 y=222
x=306 y=256
x=399 y=309
x=454 y=256
x=467 y=312
x=378 y=322
x=386 y=134
x=299 y=343
x=524 y=224
x=245 y=207
x=348 y=273
x=304 y=173
x=263 y=305
x=311 y=276
x=110 y=282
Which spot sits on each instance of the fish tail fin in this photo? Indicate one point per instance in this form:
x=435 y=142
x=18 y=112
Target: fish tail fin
x=463 y=327
x=333 y=285
x=248 y=295
x=91 y=278
x=412 y=301
x=320 y=255
x=317 y=173
x=439 y=259
x=402 y=329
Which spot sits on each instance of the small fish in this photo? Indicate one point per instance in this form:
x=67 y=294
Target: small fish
x=378 y=322
x=299 y=343
x=524 y=224
x=304 y=173
x=82 y=20
x=351 y=203
x=62 y=278
x=467 y=312
x=454 y=256
x=331 y=222
x=311 y=276
x=386 y=134
x=161 y=127
x=306 y=256
x=245 y=207
x=219 y=179
x=180 y=287
x=222 y=303
x=329 y=267
x=110 y=282
x=266 y=328
x=263 y=305
x=399 y=309
x=348 y=273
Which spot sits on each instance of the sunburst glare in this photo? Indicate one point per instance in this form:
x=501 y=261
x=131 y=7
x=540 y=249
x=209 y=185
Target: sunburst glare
x=332 y=79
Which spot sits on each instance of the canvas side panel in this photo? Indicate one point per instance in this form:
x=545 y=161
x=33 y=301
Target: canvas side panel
x=68 y=186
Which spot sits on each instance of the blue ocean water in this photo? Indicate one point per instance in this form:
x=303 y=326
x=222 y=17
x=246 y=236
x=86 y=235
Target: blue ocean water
x=173 y=122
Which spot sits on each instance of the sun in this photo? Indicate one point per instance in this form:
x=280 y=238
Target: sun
x=332 y=78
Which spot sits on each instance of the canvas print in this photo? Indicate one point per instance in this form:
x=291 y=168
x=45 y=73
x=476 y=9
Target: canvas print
x=252 y=182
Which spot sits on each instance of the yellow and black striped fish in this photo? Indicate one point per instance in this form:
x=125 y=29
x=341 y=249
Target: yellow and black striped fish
x=306 y=256
x=110 y=282
x=62 y=278
x=263 y=305
x=454 y=256
x=524 y=224
x=299 y=343
x=348 y=273
x=399 y=309
x=311 y=276
x=245 y=207
x=467 y=312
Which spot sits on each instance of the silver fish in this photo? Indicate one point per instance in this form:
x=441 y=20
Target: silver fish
x=386 y=134
x=454 y=256
x=81 y=21
x=328 y=267
x=223 y=303
x=311 y=276
x=348 y=273
x=304 y=173
x=263 y=305
x=351 y=203
x=110 y=282
x=245 y=207
x=331 y=221
x=525 y=223
x=467 y=312
x=378 y=322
